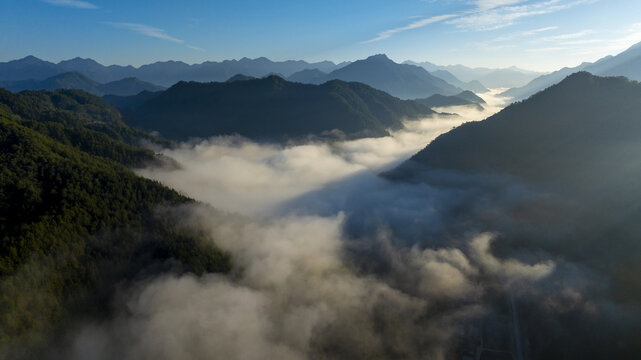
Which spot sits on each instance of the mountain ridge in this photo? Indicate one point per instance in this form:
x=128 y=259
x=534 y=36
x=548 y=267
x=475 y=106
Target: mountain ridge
x=271 y=108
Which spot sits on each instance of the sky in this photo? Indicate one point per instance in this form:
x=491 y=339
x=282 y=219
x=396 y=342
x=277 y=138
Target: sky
x=541 y=35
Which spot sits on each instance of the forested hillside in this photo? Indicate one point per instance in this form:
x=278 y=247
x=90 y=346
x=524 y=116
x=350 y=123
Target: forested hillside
x=74 y=220
x=270 y=108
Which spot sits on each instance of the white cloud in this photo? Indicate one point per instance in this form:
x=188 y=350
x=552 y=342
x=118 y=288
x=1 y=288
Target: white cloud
x=146 y=30
x=568 y=36
x=415 y=25
x=72 y=3
x=491 y=4
x=503 y=16
x=490 y=15
x=195 y=48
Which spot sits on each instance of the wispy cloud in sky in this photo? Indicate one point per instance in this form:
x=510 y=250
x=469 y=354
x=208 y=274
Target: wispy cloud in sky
x=72 y=3
x=195 y=48
x=503 y=16
x=491 y=4
x=489 y=15
x=415 y=25
x=146 y=31
x=574 y=35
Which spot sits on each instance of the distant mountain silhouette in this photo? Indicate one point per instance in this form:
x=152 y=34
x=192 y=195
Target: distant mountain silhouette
x=127 y=86
x=627 y=63
x=130 y=102
x=585 y=127
x=464 y=98
x=473 y=85
x=75 y=80
x=269 y=109
x=165 y=73
x=492 y=78
x=308 y=76
x=400 y=80
x=29 y=67
x=240 y=77
x=97 y=71
x=69 y=80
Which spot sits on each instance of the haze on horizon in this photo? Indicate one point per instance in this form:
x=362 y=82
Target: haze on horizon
x=541 y=35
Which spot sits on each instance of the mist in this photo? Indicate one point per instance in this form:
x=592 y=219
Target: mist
x=333 y=261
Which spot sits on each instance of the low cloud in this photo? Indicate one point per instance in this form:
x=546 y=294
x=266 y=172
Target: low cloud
x=343 y=263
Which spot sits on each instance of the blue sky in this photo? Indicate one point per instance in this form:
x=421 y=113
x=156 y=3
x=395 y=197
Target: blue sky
x=534 y=34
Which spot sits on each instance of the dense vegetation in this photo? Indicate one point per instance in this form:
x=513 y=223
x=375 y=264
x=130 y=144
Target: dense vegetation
x=74 y=220
x=464 y=98
x=270 y=108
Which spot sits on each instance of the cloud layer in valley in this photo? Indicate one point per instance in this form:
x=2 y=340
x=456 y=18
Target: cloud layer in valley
x=332 y=261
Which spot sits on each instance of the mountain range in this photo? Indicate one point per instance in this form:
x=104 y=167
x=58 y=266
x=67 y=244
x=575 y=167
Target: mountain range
x=474 y=85
x=76 y=80
x=270 y=108
x=627 y=63
x=488 y=77
x=378 y=71
x=165 y=73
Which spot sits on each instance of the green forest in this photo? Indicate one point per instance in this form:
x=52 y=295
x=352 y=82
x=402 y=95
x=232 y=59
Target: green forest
x=74 y=219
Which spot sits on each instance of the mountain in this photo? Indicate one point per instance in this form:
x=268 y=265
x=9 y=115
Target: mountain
x=132 y=101
x=97 y=71
x=127 y=86
x=583 y=127
x=165 y=73
x=492 y=78
x=75 y=220
x=464 y=98
x=76 y=80
x=69 y=80
x=273 y=109
x=400 y=80
x=308 y=76
x=240 y=77
x=29 y=67
x=473 y=85
x=565 y=165
x=627 y=63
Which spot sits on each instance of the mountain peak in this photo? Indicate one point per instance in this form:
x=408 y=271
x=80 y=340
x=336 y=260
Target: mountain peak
x=378 y=57
x=30 y=59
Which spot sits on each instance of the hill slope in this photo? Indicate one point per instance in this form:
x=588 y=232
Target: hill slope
x=576 y=146
x=464 y=98
x=74 y=220
x=273 y=109
x=558 y=135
